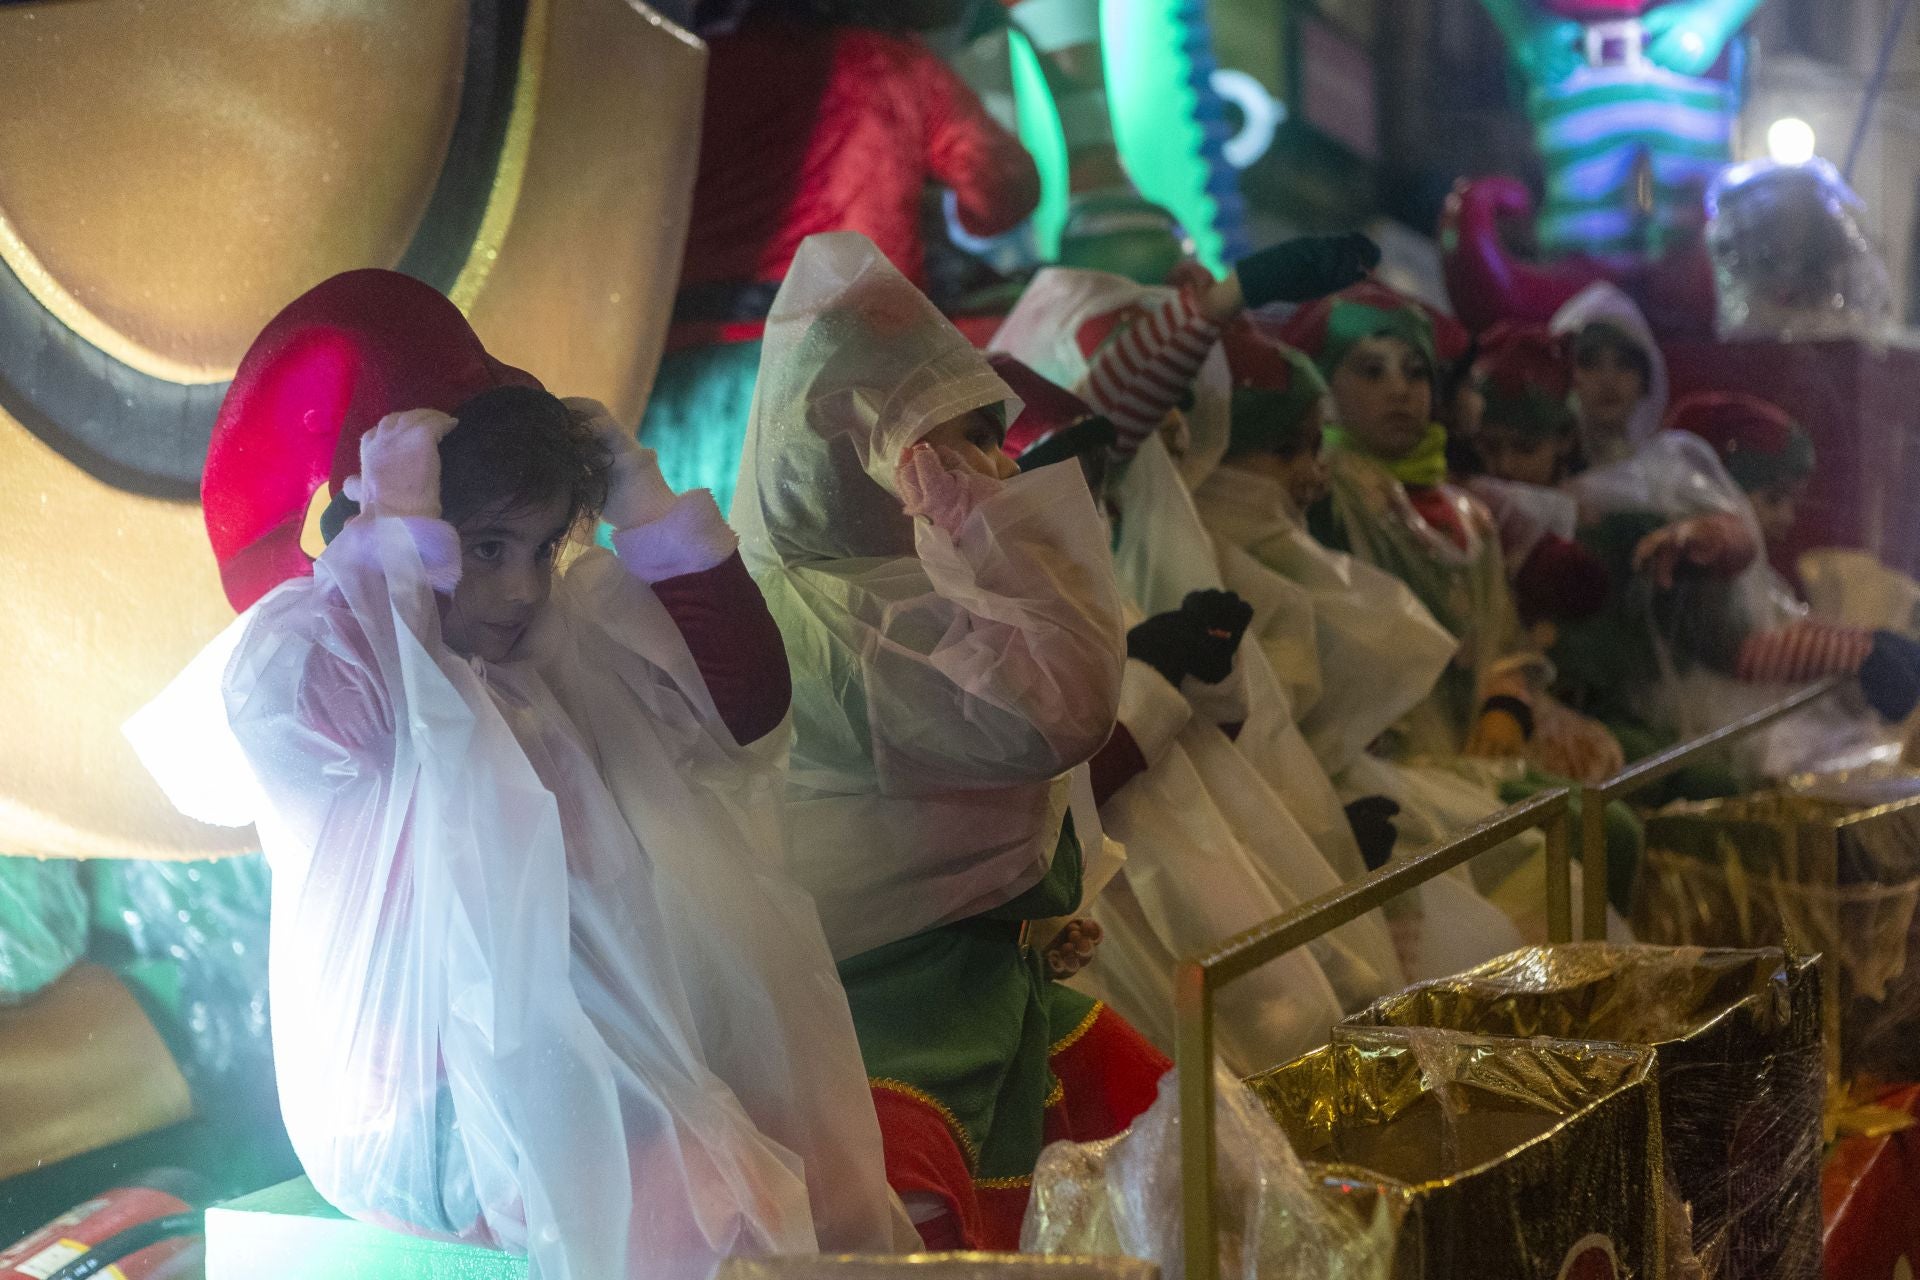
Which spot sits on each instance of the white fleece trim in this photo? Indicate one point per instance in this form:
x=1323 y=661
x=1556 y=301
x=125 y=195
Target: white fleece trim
x=691 y=537
x=1152 y=710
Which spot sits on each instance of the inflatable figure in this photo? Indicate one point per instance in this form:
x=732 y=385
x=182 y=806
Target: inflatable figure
x=1630 y=114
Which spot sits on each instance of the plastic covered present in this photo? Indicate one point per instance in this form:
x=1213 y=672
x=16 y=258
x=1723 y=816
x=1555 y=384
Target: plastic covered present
x=43 y=924
x=1123 y=1196
x=1509 y=1159
x=1868 y=1190
x=1790 y=261
x=192 y=936
x=1736 y=1035
x=1816 y=870
x=935 y=1266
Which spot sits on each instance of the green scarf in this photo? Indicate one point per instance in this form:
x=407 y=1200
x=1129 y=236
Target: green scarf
x=1426 y=465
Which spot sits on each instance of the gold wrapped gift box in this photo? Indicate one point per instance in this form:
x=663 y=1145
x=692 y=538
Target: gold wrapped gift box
x=1818 y=871
x=1736 y=1035
x=1510 y=1159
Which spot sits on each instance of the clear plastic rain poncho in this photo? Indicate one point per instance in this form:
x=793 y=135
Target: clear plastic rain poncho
x=1676 y=475
x=1213 y=845
x=1790 y=261
x=538 y=979
x=945 y=684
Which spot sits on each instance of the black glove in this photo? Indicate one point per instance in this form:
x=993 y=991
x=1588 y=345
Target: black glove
x=1198 y=639
x=1890 y=677
x=1307 y=268
x=1371 y=818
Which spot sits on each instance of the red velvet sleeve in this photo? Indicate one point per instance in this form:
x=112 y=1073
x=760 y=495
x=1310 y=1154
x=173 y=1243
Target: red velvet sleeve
x=735 y=643
x=991 y=174
x=1115 y=765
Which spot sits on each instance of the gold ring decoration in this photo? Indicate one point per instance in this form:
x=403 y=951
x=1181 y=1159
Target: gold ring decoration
x=171 y=176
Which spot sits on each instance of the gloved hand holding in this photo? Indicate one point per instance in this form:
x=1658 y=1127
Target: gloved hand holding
x=1198 y=639
x=1305 y=268
x=937 y=484
x=1072 y=949
x=1498 y=734
x=637 y=493
x=400 y=465
x=1890 y=676
x=1717 y=543
x=1371 y=818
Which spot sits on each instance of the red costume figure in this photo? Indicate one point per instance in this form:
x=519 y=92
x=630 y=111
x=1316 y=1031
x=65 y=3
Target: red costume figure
x=811 y=125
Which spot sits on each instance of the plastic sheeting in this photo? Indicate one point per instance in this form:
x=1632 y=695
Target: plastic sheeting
x=1737 y=1038
x=43 y=924
x=1123 y=1196
x=1790 y=260
x=1838 y=876
x=514 y=909
x=195 y=935
x=1512 y=1158
x=947 y=680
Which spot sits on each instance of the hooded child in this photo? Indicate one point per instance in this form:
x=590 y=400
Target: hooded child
x=1695 y=612
x=957 y=643
x=520 y=799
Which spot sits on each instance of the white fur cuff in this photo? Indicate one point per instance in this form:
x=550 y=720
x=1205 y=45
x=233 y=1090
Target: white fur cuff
x=1153 y=710
x=691 y=537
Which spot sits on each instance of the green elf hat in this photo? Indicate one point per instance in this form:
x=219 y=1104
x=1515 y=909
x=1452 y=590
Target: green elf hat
x=1274 y=388
x=1329 y=328
x=1760 y=445
x=1526 y=378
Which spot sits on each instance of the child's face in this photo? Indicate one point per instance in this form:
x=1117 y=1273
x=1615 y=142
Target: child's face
x=1303 y=474
x=1776 y=507
x=1520 y=457
x=506 y=570
x=1608 y=388
x=1383 y=395
x=975 y=438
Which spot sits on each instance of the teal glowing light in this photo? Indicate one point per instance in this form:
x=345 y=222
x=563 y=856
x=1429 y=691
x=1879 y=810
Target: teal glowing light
x=1153 y=92
x=1039 y=123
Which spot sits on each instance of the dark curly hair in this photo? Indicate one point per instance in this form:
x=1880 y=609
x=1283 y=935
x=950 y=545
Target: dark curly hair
x=518 y=447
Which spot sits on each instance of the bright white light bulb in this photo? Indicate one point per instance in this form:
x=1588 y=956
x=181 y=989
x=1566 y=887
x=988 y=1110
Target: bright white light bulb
x=1790 y=140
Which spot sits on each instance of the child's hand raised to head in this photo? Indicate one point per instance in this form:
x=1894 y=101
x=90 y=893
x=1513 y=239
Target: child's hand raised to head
x=637 y=494
x=939 y=484
x=400 y=465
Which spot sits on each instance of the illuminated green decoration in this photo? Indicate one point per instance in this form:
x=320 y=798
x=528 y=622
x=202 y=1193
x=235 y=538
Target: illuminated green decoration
x=1628 y=124
x=1041 y=133
x=1169 y=123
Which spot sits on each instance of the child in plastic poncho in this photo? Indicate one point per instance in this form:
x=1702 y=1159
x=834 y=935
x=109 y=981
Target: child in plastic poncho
x=955 y=634
x=1211 y=850
x=541 y=983
x=1390 y=505
x=1135 y=352
x=1665 y=659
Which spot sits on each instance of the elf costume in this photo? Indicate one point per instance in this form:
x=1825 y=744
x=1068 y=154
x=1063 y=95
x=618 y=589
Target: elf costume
x=957 y=651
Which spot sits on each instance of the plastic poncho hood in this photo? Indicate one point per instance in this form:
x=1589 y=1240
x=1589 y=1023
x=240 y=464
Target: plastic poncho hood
x=1604 y=304
x=945 y=681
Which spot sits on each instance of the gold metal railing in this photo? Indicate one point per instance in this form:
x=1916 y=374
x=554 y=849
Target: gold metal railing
x=1198 y=980
x=1595 y=799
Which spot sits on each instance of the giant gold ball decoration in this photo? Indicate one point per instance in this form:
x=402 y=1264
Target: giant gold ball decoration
x=173 y=174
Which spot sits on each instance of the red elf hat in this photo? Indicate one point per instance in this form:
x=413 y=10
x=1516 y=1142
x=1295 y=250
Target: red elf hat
x=339 y=358
x=1756 y=439
x=1054 y=423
